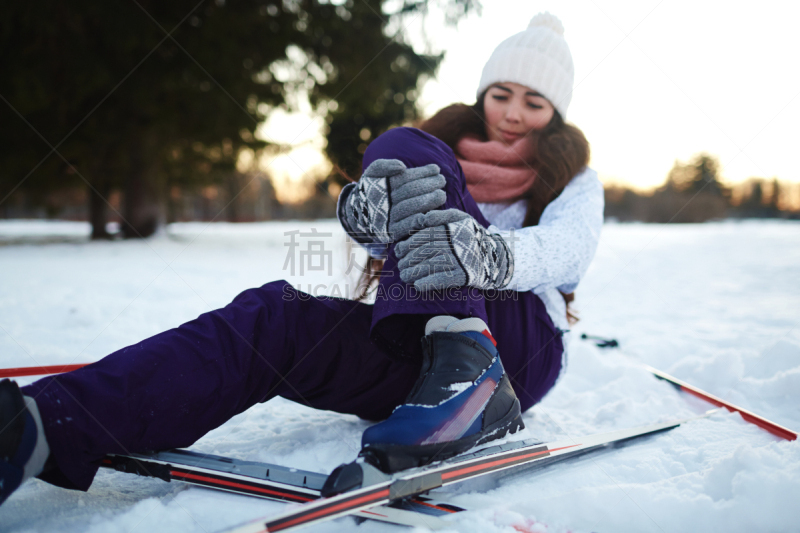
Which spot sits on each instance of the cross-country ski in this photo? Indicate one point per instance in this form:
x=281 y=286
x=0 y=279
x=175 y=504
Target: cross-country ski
x=360 y=486
x=269 y=481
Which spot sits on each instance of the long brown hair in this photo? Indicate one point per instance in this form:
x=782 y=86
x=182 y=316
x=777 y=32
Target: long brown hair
x=560 y=152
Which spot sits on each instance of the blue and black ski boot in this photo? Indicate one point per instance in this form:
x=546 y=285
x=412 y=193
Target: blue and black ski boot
x=22 y=452
x=462 y=398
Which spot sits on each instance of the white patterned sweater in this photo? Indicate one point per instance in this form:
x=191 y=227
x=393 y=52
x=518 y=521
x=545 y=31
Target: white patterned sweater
x=554 y=255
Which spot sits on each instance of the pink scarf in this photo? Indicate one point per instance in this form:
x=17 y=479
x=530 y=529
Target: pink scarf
x=496 y=172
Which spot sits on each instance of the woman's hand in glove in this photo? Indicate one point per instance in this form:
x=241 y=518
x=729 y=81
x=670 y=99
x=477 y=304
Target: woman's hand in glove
x=390 y=201
x=456 y=253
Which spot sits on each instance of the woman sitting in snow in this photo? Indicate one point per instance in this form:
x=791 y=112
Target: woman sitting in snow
x=486 y=217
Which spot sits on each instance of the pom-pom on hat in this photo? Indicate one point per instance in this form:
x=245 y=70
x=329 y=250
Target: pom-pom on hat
x=538 y=58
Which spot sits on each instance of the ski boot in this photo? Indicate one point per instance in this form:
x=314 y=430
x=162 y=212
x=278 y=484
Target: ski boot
x=23 y=448
x=462 y=398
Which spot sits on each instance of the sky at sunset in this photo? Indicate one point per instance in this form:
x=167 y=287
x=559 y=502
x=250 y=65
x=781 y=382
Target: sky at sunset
x=655 y=81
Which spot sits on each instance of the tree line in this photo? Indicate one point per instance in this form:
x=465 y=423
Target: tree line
x=139 y=111
x=139 y=99
x=693 y=192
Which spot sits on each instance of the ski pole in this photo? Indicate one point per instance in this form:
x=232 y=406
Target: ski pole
x=600 y=342
x=753 y=418
x=38 y=370
x=763 y=423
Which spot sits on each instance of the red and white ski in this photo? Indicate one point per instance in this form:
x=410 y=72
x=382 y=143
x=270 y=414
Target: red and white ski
x=269 y=481
x=379 y=489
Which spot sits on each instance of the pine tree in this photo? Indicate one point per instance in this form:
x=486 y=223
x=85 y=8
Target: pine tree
x=146 y=95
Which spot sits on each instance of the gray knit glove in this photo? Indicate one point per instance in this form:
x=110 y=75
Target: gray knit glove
x=458 y=253
x=390 y=201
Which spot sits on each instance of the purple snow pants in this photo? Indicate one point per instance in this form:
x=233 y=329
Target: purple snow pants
x=328 y=353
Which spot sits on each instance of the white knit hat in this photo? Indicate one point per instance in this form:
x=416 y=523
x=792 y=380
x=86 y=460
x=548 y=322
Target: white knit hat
x=538 y=58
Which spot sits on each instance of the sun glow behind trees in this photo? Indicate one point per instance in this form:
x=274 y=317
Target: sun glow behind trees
x=656 y=81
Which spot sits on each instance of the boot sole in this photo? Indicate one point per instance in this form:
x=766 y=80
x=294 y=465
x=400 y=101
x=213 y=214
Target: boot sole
x=390 y=458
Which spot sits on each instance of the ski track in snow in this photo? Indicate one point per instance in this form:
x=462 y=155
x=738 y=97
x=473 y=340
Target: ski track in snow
x=717 y=305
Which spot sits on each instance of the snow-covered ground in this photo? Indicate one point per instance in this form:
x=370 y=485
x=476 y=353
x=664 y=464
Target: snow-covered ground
x=717 y=305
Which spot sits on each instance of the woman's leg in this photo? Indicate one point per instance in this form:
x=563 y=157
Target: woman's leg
x=529 y=345
x=463 y=396
x=169 y=390
x=401 y=311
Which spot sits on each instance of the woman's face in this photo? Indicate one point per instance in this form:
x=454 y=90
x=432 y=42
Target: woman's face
x=513 y=110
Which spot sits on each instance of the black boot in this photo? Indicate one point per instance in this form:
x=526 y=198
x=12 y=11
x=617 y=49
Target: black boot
x=462 y=398
x=20 y=457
